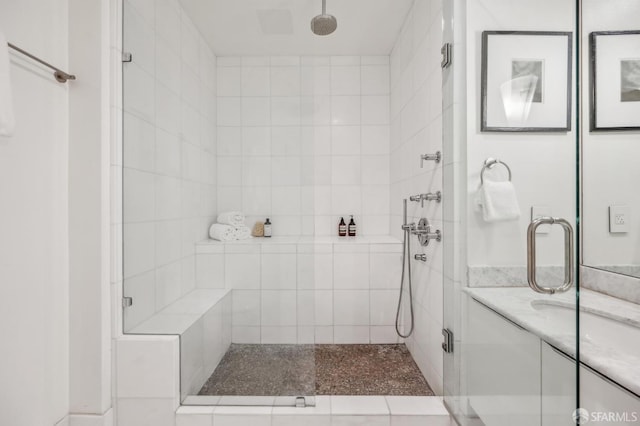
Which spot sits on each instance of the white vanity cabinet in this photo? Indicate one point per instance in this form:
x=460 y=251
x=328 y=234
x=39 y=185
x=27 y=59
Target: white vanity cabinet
x=503 y=362
x=514 y=377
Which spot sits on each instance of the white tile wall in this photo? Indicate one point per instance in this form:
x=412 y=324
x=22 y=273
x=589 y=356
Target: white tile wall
x=416 y=128
x=291 y=128
x=169 y=155
x=288 y=290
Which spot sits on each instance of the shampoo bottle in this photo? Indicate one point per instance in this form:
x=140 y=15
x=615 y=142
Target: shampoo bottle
x=352 y=227
x=267 y=228
x=342 y=228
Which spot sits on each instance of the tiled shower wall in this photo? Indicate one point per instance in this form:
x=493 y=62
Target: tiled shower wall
x=305 y=140
x=416 y=129
x=169 y=154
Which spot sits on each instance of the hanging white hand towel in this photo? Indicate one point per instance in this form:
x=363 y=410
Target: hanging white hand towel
x=499 y=201
x=222 y=232
x=7 y=121
x=231 y=218
x=242 y=233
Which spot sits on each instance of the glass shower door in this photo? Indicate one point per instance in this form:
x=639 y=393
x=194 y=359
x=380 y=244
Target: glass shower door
x=511 y=270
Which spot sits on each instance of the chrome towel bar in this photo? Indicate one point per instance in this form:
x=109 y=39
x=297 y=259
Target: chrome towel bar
x=60 y=75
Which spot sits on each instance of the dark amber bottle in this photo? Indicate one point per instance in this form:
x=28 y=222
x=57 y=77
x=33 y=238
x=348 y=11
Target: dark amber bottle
x=342 y=228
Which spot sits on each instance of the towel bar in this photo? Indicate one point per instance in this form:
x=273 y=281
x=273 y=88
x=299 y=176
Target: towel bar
x=488 y=164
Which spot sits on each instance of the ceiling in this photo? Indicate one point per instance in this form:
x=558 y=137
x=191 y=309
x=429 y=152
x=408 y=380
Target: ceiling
x=282 y=27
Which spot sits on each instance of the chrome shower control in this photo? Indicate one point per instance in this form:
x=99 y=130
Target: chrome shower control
x=421 y=257
x=430 y=157
x=430 y=196
x=423 y=231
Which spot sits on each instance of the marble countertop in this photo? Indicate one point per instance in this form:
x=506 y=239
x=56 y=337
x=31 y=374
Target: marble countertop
x=617 y=364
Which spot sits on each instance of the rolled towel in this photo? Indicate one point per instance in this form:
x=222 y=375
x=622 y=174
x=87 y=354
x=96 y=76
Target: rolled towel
x=499 y=201
x=242 y=233
x=231 y=218
x=7 y=121
x=222 y=232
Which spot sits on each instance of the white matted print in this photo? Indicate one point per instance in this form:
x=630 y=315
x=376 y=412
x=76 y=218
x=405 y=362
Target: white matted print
x=615 y=79
x=526 y=81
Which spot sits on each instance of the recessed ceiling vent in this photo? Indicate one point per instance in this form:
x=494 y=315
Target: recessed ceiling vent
x=275 y=21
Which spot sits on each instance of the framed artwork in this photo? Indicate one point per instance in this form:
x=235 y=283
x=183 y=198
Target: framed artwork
x=526 y=81
x=615 y=80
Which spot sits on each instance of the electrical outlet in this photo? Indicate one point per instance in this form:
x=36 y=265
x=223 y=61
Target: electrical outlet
x=618 y=219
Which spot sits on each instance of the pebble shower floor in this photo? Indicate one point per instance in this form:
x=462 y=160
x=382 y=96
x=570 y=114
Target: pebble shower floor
x=292 y=370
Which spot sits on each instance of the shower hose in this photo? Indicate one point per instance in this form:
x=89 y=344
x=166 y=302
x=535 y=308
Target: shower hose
x=406 y=260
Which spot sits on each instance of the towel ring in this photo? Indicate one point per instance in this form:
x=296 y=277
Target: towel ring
x=488 y=164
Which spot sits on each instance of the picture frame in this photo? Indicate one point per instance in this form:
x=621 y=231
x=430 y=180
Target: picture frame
x=526 y=81
x=614 y=58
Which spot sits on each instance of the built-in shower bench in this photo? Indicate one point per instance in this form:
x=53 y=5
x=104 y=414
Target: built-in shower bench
x=202 y=319
x=306 y=289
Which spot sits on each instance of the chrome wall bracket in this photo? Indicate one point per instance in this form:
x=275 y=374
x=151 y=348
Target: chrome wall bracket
x=447 y=57
x=447 y=345
x=127 y=302
x=437 y=157
x=127 y=57
x=423 y=231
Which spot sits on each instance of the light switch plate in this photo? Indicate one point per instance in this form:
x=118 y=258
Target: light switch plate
x=541 y=211
x=619 y=219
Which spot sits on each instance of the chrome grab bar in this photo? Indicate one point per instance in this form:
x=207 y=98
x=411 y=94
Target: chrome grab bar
x=568 y=255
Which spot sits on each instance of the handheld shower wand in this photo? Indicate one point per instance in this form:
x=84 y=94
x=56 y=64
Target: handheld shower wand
x=406 y=260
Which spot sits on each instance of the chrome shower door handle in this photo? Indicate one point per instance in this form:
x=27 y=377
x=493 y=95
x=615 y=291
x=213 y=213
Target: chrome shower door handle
x=568 y=255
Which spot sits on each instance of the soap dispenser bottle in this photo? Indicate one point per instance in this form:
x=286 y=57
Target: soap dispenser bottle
x=267 y=228
x=342 y=228
x=352 y=227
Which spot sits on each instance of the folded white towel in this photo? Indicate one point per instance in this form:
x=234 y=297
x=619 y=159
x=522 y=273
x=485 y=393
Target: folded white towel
x=222 y=232
x=498 y=201
x=242 y=233
x=7 y=121
x=231 y=218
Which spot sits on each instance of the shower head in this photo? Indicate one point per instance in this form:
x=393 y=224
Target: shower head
x=324 y=24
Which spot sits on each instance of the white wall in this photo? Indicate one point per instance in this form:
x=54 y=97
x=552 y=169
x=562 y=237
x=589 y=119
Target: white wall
x=169 y=154
x=304 y=141
x=34 y=248
x=416 y=129
x=611 y=172
x=543 y=165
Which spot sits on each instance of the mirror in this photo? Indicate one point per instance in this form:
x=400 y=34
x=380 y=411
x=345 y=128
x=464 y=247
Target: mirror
x=611 y=175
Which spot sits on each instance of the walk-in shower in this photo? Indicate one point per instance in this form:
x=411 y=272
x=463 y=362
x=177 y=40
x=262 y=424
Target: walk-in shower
x=302 y=130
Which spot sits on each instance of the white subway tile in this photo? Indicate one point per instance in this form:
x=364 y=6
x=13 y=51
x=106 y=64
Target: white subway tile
x=256 y=111
x=229 y=81
x=345 y=140
x=256 y=81
x=278 y=308
x=279 y=271
x=345 y=110
x=256 y=141
x=285 y=111
x=350 y=269
x=285 y=81
x=148 y=367
x=351 y=307
x=246 y=308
